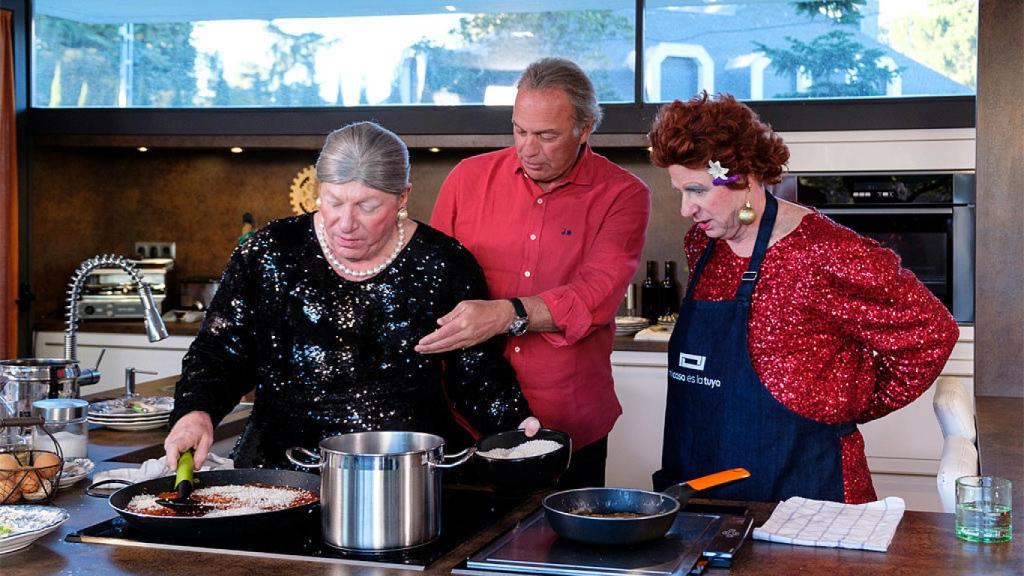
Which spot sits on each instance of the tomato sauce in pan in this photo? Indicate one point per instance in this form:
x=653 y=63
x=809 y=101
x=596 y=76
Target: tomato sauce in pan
x=228 y=500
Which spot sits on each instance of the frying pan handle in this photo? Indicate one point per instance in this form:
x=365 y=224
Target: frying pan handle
x=311 y=455
x=718 y=478
x=461 y=458
x=91 y=488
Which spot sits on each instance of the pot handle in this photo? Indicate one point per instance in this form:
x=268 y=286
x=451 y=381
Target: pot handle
x=91 y=488
x=460 y=456
x=311 y=455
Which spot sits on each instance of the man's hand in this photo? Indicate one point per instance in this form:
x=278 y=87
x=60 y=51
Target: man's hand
x=468 y=324
x=193 y=430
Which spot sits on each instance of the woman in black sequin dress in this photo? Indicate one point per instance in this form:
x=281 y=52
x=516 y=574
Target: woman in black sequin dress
x=319 y=315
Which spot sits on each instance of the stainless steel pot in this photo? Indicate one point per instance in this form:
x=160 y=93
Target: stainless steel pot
x=380 y=490
x=25 y=380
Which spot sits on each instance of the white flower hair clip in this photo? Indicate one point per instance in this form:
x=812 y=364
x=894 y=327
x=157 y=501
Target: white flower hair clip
x=718 y=173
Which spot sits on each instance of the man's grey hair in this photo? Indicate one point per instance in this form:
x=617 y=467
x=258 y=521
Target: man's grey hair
x=367 y=153
x=565 y=75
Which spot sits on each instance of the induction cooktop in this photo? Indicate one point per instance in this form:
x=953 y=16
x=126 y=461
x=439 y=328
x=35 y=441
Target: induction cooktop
x=466 y=511
x=699 y=537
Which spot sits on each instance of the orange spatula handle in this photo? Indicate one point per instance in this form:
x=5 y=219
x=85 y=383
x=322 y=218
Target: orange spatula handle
x=717 y=478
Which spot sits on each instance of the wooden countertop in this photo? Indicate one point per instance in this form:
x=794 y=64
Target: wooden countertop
x=925 y=543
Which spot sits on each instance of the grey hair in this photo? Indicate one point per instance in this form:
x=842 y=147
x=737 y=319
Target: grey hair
x=368 y=153
x=565 y=75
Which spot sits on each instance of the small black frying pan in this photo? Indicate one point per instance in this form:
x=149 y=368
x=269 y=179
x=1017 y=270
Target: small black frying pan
x=622 y=516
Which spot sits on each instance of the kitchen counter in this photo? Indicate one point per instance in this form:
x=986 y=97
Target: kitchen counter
x=114 y=326
x=622 y=343
x=924 y=543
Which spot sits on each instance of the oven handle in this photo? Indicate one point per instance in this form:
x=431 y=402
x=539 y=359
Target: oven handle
x=897 y=211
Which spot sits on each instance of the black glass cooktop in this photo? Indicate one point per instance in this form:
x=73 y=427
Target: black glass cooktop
x=466 y=511
x=701 y=536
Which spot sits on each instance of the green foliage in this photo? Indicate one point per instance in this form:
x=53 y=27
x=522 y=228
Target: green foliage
x=80 y=64
x=518 y=37
x=164 y=66
x=838 y=11
x=75 y=64
x=838 y=65
x=944 y=37
x=294 y=58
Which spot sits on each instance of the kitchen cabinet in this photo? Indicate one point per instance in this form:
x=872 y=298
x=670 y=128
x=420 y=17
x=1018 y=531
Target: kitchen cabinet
x=122 y=351
x=906 y=442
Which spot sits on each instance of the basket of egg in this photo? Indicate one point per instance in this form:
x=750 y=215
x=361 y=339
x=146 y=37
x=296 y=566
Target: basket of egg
x=26 y=474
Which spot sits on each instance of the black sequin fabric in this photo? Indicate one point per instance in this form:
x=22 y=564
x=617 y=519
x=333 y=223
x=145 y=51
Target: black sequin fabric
x=326 y=355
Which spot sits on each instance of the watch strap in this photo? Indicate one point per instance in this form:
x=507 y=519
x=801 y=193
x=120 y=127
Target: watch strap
x=517 y=305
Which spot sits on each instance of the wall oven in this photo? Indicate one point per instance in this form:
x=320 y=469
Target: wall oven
x=927 y=219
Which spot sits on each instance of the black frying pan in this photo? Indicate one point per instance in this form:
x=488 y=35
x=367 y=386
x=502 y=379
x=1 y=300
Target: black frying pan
x=624 y=515
x=277 y=522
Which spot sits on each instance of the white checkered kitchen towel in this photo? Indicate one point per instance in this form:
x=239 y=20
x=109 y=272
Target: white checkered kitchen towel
x=832 y=524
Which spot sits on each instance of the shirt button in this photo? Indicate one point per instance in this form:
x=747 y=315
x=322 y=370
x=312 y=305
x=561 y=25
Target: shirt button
x=540 y=200
x=527 y=273
x=533 y=236
x=516 y=349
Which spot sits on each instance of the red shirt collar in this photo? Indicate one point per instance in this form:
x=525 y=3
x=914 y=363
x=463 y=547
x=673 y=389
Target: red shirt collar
x=580 y=173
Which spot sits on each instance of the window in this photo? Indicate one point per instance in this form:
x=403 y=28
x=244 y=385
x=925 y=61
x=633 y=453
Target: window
x=791 y=49
x=314 y=53
x=202 y=67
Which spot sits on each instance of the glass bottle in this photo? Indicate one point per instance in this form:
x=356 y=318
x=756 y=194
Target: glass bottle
x=650 y=293
x=669 y=289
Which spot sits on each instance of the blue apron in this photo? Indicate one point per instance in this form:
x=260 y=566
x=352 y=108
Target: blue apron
x=718 y=414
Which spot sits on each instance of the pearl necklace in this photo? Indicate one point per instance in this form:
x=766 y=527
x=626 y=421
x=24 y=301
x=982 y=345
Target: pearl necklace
x=321 y=235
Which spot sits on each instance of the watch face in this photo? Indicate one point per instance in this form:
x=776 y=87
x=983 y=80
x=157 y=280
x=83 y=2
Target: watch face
x=518 y=327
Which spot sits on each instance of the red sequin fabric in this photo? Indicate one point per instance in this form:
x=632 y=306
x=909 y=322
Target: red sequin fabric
x=838 y=330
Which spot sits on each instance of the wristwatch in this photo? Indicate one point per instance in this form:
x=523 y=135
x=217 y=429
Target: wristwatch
x=522 y=321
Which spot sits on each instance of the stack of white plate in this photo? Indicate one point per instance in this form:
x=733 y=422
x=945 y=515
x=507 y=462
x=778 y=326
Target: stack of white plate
x=132 y=413
x=629 y=325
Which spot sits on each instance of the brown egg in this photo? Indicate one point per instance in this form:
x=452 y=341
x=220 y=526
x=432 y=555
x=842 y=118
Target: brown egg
x=9 y=491
x=8 y=464
x=30 y=480
x=47 y=463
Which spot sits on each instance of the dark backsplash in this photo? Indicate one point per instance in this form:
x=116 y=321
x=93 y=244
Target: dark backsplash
x=88 y=201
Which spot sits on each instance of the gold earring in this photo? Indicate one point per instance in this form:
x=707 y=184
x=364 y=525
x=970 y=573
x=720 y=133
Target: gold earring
x=746 y=214
x=403 y=213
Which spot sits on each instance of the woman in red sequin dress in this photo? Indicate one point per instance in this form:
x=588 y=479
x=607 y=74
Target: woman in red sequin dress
x=794 y=328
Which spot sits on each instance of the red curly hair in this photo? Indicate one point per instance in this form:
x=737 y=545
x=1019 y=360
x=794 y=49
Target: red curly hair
x=722 y=129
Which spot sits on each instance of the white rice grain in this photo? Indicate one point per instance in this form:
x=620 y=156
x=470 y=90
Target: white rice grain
x=529 y=449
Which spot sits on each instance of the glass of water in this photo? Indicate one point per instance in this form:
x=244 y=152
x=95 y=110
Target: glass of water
x=983 y=505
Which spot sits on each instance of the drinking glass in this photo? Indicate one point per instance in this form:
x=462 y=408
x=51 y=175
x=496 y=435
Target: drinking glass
x=983 y=505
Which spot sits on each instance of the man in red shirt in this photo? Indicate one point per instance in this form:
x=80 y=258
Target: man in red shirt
x=558 y=231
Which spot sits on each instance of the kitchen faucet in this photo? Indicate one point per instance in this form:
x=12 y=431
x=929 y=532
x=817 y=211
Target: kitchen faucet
x=155 y=329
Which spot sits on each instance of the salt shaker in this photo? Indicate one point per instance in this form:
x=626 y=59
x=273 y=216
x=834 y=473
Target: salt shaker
x=67 y=420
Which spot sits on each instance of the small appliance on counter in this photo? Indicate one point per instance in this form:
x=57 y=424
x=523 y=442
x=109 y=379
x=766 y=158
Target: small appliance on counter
x=110 y=292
